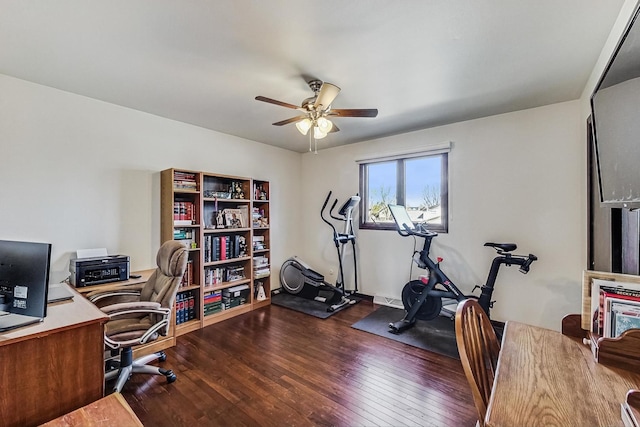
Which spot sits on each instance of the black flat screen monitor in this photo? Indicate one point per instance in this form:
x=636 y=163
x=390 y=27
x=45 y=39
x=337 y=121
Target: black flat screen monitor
x=401 y=217
x=615 y=106
x=24 y=277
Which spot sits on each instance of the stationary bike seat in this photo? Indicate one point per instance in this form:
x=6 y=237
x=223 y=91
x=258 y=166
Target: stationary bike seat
x=506 y=247
x=313 y=275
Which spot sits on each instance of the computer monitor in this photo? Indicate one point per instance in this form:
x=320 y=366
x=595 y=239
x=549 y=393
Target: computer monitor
x=401 y=217
x=24 y=277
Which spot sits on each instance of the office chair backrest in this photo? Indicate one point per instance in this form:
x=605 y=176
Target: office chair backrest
x=479 y=349
x=163 y=284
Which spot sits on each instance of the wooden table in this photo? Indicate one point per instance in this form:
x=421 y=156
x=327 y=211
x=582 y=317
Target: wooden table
x=109 y=411
x=53 y=367
x=547 y=379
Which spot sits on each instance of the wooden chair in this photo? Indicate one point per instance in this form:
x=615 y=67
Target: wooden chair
x=479 y=349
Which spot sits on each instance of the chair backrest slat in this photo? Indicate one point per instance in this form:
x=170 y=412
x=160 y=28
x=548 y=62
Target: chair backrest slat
x=479 y=349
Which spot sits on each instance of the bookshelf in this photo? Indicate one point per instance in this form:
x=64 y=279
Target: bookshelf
x=214 y=215
x=261 y=243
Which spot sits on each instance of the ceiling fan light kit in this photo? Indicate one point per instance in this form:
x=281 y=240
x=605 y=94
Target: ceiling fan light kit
x=316 y=110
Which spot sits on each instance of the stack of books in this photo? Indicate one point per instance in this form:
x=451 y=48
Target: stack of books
x=235 y=296
x=260 y=267
x=184 y=181
x=212 y=302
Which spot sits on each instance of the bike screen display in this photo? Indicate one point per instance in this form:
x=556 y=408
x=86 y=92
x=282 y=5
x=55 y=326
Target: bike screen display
x=401 y=217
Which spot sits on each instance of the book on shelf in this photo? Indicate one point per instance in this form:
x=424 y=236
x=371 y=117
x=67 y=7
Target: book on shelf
x=234 y=218
x=234 y=272
x=184 y=213
x=261 y=266
x=187 y=278
x=184 y=181
x=615 y=307
x=185 y=307
x=258 y=243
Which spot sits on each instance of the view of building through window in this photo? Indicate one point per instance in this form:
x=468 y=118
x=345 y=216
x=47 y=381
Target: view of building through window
x=418 y=183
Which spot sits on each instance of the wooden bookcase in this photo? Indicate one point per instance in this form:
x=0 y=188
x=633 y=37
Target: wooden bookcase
x=261 y=242
x=218 y=225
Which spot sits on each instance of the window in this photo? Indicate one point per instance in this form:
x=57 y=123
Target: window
x=418 y=181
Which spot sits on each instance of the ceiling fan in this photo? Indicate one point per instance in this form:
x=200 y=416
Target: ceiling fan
x=316 y=111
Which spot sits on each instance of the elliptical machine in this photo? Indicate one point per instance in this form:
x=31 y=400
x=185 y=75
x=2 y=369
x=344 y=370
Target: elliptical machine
x=298 y=278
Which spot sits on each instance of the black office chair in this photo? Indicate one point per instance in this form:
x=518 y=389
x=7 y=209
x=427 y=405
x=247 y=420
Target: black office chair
x=140 y=314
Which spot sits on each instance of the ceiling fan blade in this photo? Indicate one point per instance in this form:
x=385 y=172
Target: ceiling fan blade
x=273 y=101
x=358 y=112
x=327 y=94
x=291 y=120
x=334 y=128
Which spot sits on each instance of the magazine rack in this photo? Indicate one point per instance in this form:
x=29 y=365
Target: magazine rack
x=623 y=351
x=631 y=408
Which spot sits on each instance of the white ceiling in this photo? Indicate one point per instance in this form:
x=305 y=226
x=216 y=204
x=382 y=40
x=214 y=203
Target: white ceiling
x=421 y=63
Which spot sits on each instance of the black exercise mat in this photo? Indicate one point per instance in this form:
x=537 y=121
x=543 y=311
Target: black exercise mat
x=306 y=306
x=437 y=335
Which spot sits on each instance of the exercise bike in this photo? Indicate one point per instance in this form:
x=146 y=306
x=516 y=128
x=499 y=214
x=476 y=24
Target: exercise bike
x=423 y=299
x=298 y=278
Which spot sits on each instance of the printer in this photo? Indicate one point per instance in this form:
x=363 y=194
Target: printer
x=97 y=270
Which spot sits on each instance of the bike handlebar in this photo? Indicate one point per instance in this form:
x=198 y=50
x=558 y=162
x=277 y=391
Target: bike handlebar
x=524 y=268
x=422 y=232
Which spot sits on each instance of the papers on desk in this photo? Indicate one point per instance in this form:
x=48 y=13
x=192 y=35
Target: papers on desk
x=58 y=292
x=615 y=307
x=91 y=253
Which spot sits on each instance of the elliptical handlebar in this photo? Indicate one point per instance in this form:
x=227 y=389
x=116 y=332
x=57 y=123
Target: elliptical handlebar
x=335 y=202
x=324 y=206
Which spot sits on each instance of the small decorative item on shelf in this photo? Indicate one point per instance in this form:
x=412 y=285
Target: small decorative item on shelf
x=236 y=190
x=260 y=193
x=260 y=294
x=211 y=194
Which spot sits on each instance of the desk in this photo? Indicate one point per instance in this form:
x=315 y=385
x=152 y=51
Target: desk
x=546 y=378
x=109 y=411
x=53 y=367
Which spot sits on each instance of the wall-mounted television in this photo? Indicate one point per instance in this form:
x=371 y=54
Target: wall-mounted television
x=615 y=109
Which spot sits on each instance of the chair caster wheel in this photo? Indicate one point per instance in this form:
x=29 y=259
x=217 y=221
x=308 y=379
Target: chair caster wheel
x=171 y=377
x=162 y=356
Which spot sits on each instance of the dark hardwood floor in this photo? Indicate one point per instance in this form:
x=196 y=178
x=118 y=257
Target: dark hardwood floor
x=277 y=367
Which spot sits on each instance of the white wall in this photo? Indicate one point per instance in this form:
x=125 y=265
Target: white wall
x=515 y=177
x=81 y=173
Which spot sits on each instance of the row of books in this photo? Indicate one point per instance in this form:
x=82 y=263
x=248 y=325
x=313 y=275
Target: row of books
x=187 y=278
x=184 y=181
x=230 y=273
x=186 y=236
x=219 y=248
x=184 y=213
x=615 y=307
x=185 y=307
x=212 y=302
